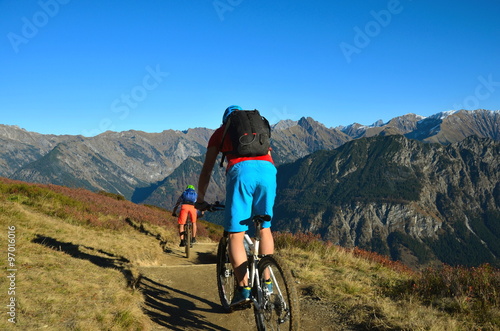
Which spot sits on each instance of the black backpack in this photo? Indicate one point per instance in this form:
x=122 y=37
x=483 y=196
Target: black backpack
x=250 y=134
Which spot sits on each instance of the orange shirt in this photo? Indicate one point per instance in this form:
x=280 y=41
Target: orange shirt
x=216 y=139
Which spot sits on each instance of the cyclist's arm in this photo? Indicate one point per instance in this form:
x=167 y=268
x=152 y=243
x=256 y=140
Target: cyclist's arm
x=206 y=172
x=177 y=205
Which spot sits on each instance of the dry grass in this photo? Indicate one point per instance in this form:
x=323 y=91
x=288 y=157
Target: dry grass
x=74 y=272
x=372 y=293
x=79 y=284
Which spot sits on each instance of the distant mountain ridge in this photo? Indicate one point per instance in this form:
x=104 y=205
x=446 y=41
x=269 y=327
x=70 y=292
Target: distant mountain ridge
x=133 y=159
x=444 y=127
x=115 y=161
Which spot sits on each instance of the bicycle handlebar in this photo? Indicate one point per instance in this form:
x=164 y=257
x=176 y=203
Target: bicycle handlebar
x=205 y=206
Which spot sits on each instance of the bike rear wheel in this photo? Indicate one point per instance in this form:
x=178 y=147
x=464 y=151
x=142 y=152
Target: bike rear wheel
x=278 y=308
x=187 y=238
x=226 y=280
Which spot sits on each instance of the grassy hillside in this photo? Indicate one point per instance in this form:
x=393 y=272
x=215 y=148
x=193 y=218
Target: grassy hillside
x=366 y=291
x=75 y=256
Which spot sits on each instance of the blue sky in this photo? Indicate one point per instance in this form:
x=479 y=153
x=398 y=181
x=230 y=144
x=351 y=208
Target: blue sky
x=84 y=67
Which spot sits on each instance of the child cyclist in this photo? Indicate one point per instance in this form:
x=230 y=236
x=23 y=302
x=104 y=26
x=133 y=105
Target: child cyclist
x=186 y=200
x=250 y=190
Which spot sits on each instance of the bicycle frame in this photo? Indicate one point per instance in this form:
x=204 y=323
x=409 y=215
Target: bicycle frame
x=253 y=262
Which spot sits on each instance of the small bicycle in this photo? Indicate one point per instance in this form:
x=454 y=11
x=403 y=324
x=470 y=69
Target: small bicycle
x=276 y=307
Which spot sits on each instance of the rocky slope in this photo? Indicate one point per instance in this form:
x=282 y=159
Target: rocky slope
x=455 y=126
x=414 y=201
x=165 y=193
x=292 y=140
x=21 y=147
x=119 y=162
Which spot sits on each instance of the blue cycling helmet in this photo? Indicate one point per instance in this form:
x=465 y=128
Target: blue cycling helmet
x=228 y=111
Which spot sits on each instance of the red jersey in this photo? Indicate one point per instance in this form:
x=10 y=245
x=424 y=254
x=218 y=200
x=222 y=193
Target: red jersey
x=216 y=139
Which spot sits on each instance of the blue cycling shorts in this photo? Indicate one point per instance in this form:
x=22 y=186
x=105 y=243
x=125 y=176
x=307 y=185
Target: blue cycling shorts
x=250 y=191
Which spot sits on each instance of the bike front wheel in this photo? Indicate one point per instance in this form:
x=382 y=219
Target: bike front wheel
x=226 y=280
x=278 y=304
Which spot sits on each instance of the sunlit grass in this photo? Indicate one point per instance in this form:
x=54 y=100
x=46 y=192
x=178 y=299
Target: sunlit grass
x=57 y=291
x=372 y=292
x=76 y=260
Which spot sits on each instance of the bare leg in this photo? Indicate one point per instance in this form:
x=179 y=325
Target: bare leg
x=238 y=257
x=266 y=242
x=266 y=246
x=181 y=230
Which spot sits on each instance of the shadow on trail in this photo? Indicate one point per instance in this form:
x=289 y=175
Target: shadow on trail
x=196 y=256
x=206 y=258
x=140 y=227
x=96 y=256
x=174 y=312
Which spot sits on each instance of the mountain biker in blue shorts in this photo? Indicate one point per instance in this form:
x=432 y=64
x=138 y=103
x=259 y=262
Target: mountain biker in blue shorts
x=250 y=190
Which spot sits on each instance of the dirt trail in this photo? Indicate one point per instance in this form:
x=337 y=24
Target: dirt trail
x=182 y=295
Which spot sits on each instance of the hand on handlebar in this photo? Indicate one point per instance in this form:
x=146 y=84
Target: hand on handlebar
x=217 y=206
x=205 y=206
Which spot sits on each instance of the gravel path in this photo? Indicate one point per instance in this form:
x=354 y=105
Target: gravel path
x=182 y=295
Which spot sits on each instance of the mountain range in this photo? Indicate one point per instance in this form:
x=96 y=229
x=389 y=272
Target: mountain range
x=401 y=188
x=416 y=202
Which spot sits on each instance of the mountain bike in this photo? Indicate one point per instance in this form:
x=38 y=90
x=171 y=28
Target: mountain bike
x=276 y=307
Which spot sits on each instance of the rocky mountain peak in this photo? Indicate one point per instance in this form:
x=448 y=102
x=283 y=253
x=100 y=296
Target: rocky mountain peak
x=310 y=125
x=284 y=124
